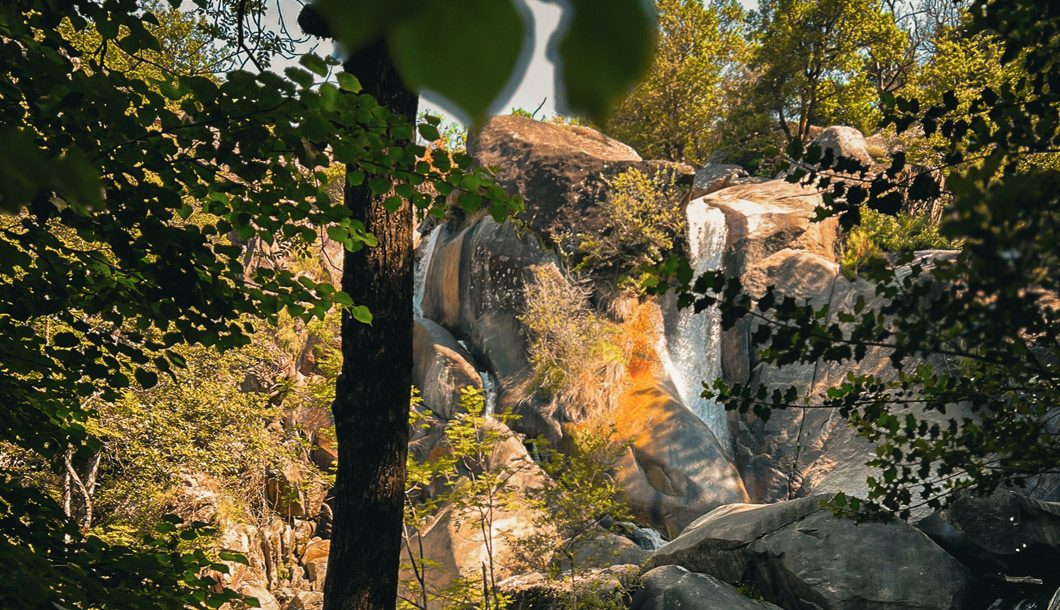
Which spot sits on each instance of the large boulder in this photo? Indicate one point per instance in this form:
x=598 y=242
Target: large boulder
x=561 y=170
x=672 y=587
x=1002 y=534
x=597 y=587
x=674 y=469
x=762 y=219
x=474 y=288
x=716 y=176
x=601 y=549
x=455 y=542
x=441 y=368
x=800 y=557
x=845 y=142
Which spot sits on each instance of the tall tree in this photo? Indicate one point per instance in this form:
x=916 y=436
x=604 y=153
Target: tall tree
x=674 y=112
x=813 y=59
x=372 y=400
x=371 y=407
x=124 y=196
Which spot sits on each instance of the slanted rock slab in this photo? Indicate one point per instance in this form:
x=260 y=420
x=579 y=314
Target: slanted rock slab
x=802 y=558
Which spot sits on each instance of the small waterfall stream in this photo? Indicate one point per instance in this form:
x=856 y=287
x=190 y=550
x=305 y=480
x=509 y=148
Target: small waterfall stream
x=489 y=386
x=422 y=265
x=419 y=273
x=694 y=344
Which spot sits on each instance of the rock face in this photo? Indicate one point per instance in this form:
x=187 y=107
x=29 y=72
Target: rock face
x=674 y=470
x=772 y=241
x=672 y=587
x=716 y=176
x=473 y=288
x=763 y=219
x=799 y=557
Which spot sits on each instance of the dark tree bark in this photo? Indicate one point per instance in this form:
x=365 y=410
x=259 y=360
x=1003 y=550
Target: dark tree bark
x=371 y=405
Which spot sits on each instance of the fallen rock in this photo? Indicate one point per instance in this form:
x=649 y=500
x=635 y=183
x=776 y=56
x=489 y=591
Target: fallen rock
x=306 y=600
x=316 y=572
x=845 y=142
x=266 y=600
x=670 y=587
x=284 y=492
x=800 y=557
x=315 y=549
x=716 y=176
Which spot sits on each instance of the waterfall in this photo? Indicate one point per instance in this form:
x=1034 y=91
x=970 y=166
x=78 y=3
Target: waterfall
x=489 y=386
x=646 y=538
x=422 y=264
x=693 y=350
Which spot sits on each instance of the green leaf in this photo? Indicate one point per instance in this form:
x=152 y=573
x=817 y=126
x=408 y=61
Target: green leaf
x=483 y=41
x=314 y=63
x=608 y=45
x=349 y=82
x=429 y=132
x=337 y=233
x=301 y=77
x=146 y=379
x=361 y=314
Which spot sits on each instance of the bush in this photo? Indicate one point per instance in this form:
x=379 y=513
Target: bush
x=880 y=234
x=644 y=221
x=577 y=356
x=197 y=422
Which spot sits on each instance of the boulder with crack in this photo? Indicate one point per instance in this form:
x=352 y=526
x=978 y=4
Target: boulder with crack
x=802 y=558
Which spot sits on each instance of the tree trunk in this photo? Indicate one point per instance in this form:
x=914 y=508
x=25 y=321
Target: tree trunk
x=371 y=405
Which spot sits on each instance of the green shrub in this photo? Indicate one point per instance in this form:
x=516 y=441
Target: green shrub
x=644 y=221
x=198 y=421
x=577 y=356
x=880 y=234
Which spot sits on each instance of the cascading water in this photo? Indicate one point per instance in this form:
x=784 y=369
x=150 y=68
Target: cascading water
x=694 y=344
x=420 y=271
x=489 y=387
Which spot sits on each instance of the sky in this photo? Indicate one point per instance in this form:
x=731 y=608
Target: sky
x=537 y=87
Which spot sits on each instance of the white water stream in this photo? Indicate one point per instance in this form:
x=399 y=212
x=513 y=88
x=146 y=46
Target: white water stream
x=419 y=272
x=422 y=264
x=489 y=387
x=693 y=350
